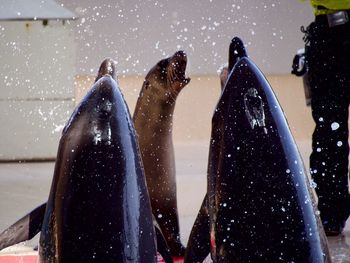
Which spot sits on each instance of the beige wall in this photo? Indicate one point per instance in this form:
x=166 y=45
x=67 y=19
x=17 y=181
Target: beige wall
x=195 y=104
x=36 y=87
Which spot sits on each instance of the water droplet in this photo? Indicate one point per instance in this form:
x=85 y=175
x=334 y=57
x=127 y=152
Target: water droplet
x=313 y=184
x=335 y=126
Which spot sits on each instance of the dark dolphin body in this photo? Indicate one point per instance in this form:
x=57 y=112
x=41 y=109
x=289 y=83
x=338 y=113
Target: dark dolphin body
x=31 y=224
x=198 y=245
x=107 y=67
x=153 y=120
x=261 y=208
x=98 y=209
x=236 y=52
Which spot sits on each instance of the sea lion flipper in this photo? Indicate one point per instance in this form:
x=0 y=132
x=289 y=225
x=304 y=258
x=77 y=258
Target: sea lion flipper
x=198 y=246
x=162 y=245
x=24 y=229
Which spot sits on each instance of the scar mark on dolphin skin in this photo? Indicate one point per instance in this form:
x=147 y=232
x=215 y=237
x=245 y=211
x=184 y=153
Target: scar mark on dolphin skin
x=254 y=109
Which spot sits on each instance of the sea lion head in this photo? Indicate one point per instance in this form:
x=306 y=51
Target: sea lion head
x=167 y=78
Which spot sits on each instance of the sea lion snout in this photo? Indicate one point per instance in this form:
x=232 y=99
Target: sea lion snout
x=153 y=120
x=181 y=55
x=178 y=63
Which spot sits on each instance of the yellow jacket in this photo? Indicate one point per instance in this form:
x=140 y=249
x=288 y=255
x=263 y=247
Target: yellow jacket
x=322 y=7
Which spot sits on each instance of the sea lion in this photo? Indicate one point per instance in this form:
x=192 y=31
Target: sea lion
x=153 y=120
x=261 y=208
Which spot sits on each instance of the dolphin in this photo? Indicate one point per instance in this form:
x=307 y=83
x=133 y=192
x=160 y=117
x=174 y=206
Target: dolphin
x=98 y=207
x=259 y=201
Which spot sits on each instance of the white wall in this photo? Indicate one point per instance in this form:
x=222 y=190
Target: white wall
x=36 y=87
x=39 y=63
x=138 y=33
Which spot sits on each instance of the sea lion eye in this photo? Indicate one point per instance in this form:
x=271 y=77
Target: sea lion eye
x=146 y=84
x=163 y=64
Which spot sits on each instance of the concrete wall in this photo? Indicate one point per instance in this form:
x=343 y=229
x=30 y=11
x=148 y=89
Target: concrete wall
x=137 y=33
x=39 y=64
x=36 y=87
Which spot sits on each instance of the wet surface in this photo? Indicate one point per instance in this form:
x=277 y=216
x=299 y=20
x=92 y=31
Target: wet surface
x=26 y=185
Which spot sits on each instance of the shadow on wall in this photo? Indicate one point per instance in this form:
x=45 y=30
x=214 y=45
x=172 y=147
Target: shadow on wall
x=195 y=105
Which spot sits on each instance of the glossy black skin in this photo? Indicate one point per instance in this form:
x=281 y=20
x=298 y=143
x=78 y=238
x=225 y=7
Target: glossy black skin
x=98 y=209
x=107 y=67
x=153 y=120
x=162 y=245
x=260 y=206
x=198 y=245
x=30 y=225
x=247 y=178
x=236 y=52
x=24 y=229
